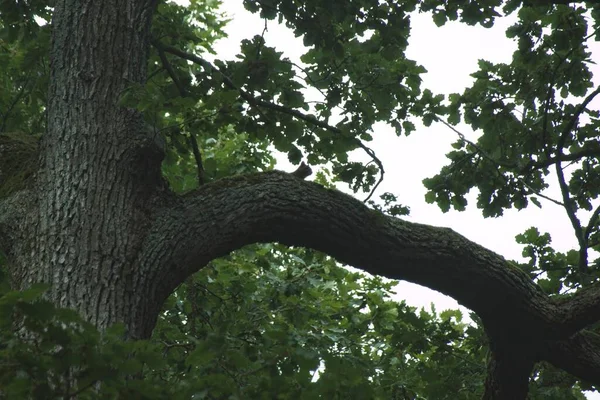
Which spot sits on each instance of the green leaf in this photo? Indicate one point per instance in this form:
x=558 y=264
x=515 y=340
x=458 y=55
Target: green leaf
x=439 y=18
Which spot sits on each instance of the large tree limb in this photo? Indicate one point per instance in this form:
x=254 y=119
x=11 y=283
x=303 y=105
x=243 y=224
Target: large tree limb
x=509 y=369
x=228 y=214
x=579 y=356
x=581 y=310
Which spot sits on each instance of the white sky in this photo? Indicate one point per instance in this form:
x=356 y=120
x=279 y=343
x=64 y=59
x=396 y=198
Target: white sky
x=449 y=54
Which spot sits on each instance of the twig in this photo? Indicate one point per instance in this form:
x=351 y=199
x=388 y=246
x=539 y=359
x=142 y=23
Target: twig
x=563 y=157
x=192 y=138
x=580 y=108
x=198 y=157
x=567 y=201
x=169 y=68
x=564 y=188
x=569 y=207
x=591 y=223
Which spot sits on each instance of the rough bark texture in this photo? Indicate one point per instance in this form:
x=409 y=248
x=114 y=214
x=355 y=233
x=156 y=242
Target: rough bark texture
x=98 y=223
x=509 y=368
x=93 y=191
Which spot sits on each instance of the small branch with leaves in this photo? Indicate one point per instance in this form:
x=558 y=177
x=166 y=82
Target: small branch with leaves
x=582 y=235
x=191 y=137
x=257 y=104
x=484 y=154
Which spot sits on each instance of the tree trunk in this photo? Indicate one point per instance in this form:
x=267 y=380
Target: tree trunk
x=509 y=368
x=98 y=223
x=100 y=170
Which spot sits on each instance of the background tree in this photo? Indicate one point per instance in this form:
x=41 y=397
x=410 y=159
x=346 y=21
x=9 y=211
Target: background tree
x=155 y=163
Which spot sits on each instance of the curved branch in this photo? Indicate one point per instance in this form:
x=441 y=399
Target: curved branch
x=228 y=214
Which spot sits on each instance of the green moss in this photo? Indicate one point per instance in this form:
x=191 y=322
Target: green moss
x=18 y=161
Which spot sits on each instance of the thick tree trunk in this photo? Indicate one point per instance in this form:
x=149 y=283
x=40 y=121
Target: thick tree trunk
x=93 y=190
x=98 y=224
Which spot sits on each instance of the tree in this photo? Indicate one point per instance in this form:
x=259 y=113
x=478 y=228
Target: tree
x=132 y=103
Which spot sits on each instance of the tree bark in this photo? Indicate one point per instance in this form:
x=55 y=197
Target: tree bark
x=509 y=368
x=100 y=170
x=98 y=223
